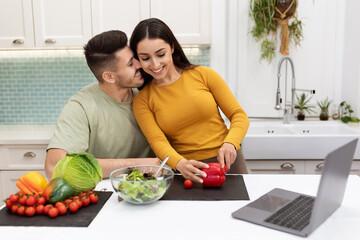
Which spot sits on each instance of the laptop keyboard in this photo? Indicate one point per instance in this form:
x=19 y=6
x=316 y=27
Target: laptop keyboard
x=295 y=215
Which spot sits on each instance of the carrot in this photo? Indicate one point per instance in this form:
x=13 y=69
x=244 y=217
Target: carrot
x=32 y=184
x=25 y=183
x=23 y=188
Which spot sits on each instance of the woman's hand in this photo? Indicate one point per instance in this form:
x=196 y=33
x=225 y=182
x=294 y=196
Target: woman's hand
x=189 y=168
x=227 y=155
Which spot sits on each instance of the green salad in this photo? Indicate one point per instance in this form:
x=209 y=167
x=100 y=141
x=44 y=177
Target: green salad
x=141 y=187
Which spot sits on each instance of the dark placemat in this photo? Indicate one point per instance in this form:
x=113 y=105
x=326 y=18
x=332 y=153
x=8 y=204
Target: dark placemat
x=82 y=218
x=233 y=189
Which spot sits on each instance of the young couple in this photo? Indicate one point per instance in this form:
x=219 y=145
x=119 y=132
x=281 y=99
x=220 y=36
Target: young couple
x=177 y=108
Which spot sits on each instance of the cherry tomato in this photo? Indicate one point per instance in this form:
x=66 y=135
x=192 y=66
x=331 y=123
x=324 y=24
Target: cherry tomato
x=14 y=198
x=82 y=194
x=39 y=209
x=188 y=183
x=78 y=201
x=40 y=200
x=21 y=210
x=53 y=212
x=85 y=200
x=73 y=207
x=22 y=199
x=30 y=201
x=14 y=208
x=30 y=211
x=93 y=198
x=89 y=192
x=68 y=201
x=47 y=208
x=62 y=208
x=9 y=204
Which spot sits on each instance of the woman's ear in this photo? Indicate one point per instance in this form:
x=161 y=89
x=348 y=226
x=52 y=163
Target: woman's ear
x=172 y=49
x=108 y=77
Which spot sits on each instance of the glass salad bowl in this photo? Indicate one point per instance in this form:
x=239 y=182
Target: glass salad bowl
x=138 y=185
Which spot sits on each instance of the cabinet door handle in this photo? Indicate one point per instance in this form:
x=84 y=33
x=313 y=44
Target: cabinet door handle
x=50 y=40
x=319 y=166
x=287 y=166
x=18 y=41
x=29 y=154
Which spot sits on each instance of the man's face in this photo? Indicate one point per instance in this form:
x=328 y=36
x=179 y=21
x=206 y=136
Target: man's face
x=127 y=73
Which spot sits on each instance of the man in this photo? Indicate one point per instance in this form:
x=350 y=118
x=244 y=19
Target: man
x=99 y=118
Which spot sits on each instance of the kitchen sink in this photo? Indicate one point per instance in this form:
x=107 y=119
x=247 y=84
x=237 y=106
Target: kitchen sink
x=270 y=130
x=324 y=130
x=297 y=140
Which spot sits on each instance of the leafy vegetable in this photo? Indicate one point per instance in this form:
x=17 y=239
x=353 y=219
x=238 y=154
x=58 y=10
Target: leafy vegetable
x=141 y=187
x=81 y=170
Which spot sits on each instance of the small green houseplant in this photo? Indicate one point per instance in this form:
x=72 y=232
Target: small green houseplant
x=303 y=105
x=324 y=109
x=345 y=113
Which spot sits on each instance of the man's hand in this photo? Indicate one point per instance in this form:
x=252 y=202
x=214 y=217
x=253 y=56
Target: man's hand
x=226 y=155
x=188 y=168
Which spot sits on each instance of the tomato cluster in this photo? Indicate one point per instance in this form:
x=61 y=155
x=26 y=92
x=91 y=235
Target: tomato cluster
x=31 y=204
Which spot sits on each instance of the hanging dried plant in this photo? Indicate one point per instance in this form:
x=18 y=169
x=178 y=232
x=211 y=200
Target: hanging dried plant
x=268 y=16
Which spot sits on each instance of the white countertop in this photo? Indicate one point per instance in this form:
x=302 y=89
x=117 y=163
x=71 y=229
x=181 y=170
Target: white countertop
x=26 y=134
x=203 y=219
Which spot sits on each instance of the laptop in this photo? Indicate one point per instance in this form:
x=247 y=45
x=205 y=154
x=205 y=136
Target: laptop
x=301 y=214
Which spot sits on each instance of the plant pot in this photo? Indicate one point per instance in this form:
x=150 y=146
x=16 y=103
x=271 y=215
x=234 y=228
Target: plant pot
x=324 y=115
x=300 y=116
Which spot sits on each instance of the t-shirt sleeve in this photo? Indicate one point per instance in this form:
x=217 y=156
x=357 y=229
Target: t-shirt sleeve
x=229 y=106
x=153 y=133
x=72 y=129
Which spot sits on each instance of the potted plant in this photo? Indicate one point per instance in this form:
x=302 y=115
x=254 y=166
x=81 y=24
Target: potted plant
x=324 y=107
x=269 y=17
x=345 y=113
x=303 y=105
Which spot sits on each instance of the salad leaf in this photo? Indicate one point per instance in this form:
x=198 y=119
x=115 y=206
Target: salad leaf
x=141 y=187
x=81 y=170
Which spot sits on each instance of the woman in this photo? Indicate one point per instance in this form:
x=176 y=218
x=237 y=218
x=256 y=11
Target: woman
x=177 y=109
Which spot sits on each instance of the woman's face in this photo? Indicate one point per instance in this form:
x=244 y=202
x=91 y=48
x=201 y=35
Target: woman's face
x=155 y=56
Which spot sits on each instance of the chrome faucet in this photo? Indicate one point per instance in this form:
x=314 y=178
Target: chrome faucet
x=287 y=115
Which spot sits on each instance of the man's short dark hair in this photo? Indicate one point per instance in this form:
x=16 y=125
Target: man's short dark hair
x=100 y=51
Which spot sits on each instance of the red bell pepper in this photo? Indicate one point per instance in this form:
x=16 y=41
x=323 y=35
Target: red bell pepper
x=211 y=181
x=215 y=175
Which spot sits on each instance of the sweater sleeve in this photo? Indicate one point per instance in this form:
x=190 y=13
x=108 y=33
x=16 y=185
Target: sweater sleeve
x=229 y=106
x=153 y=133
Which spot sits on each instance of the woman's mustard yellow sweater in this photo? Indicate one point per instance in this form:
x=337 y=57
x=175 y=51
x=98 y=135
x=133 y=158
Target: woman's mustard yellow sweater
x=182 y=120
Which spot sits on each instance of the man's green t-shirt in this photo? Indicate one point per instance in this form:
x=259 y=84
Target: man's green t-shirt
x=93 y=122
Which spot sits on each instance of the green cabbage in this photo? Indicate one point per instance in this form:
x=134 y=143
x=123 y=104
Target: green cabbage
x=81 y=170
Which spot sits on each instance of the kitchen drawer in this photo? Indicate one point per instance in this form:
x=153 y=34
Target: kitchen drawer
x=22 y=156
x=8 y=182
x=275 y=167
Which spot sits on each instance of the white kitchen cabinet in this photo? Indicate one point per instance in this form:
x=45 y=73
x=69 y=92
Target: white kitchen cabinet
x=62 y=23
x=71 y=23
x=275 y=167
x=315 y=167
x=16 y=24
x=16 y=160
x=190 y=20
x=292 y=166
x=44 y=23
x=121 y=15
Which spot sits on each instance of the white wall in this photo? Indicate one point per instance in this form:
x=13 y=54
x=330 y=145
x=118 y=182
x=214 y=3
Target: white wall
x=351 y=56
x=327 y=61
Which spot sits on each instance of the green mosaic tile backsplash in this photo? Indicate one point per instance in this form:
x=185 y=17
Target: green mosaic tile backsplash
x=35 y=84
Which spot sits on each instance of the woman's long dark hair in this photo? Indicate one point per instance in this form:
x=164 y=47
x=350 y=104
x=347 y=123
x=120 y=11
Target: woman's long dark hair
x=154 y=28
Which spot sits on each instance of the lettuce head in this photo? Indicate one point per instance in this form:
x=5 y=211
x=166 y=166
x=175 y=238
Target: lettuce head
x=81 y=170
